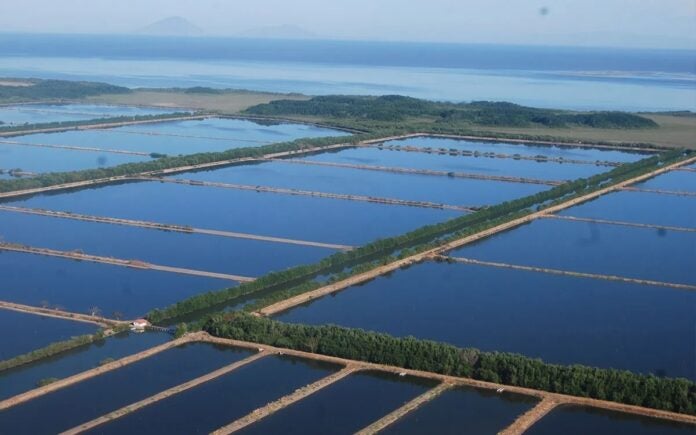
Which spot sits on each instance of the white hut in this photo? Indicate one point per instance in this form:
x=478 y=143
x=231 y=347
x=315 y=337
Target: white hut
x=139 y=324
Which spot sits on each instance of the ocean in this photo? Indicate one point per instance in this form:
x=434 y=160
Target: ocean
x=560 y=77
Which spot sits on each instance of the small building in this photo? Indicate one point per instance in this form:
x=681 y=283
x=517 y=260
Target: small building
x=139 y=324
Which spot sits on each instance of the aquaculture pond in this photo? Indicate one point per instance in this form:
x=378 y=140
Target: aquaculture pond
x=63 y=365
x=36 y=160
x=26 y=332
x=594 y=248
x=42 y=113
x=92 y=398
x=344 y=407
x=572 y=420
x=673 y=180
x=560 y=319
x=223 y=400
x=466 y=164
x=194 y=251
x=78 y=285
x=577 y=153
x=438 y=189
x=183 y=137
x=463 y=410
x=268 y=214
x=639 y=207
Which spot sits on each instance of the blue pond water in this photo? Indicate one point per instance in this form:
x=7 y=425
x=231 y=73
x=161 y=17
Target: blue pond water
x=591 y=154
x=27 y=332
x=463 y=410
x=184 y=137
x=597 y=248
x=344 y=407
x=326 y=220
x=39 y=160
x=640 y=207
x=439 y=189
x=41 y=113
x=560 y=319
x=25 y=378
x=194 y=251
x=112 y=390
x=580 y=421
x=77 y=286
x=466 y=164
x=213 y=404
x=674 y=180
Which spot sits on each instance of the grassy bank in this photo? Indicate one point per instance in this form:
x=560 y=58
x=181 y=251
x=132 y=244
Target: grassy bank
x=51 y=350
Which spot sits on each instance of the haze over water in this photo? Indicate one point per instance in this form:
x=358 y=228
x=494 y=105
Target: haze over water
x=560 y=77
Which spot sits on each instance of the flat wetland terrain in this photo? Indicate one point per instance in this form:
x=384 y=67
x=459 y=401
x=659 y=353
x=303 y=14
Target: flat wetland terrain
x=674 y=131
x=228 y=101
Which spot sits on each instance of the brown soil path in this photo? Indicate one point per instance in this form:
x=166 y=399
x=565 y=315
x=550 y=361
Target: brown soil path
x=170 y=227
x=620 y=223
x=457 y=381
x=374 y=273
x=411 y=406
x=100 y=125
x=63 y=383
x=298 y=192
x=413 y=171
x=284 y=402
x=189 y=136
x=661 y=191
x=186 y=168
x=569 y=273
x=163 y=395
x=527 y=420
x=75 y=148
x=60 y=314
x=136 y=264
x=350 y=367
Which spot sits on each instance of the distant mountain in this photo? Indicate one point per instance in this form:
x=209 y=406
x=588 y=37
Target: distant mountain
x=279 y=32
x=172 y=26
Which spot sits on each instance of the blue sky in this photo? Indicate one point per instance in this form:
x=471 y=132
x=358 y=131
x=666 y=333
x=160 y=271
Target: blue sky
x=647 y=23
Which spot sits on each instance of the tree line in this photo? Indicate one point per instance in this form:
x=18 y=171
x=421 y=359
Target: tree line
x=57 y=89
x=55 y=178
x=51 y=350
x=26 y=127
x=669 y=394
x=277 y=286
x=396 y=108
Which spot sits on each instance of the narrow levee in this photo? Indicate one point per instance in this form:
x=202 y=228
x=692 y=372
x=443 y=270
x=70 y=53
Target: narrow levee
x=363 y=277
x=137 y=264
x=171 y=227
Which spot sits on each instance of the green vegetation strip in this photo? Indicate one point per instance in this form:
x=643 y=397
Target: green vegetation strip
x=57 y=178
x=278 y=286
x=52 y=350
x=56 y=90
x=28 y=128
x=675 y=395
x=399 y=108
